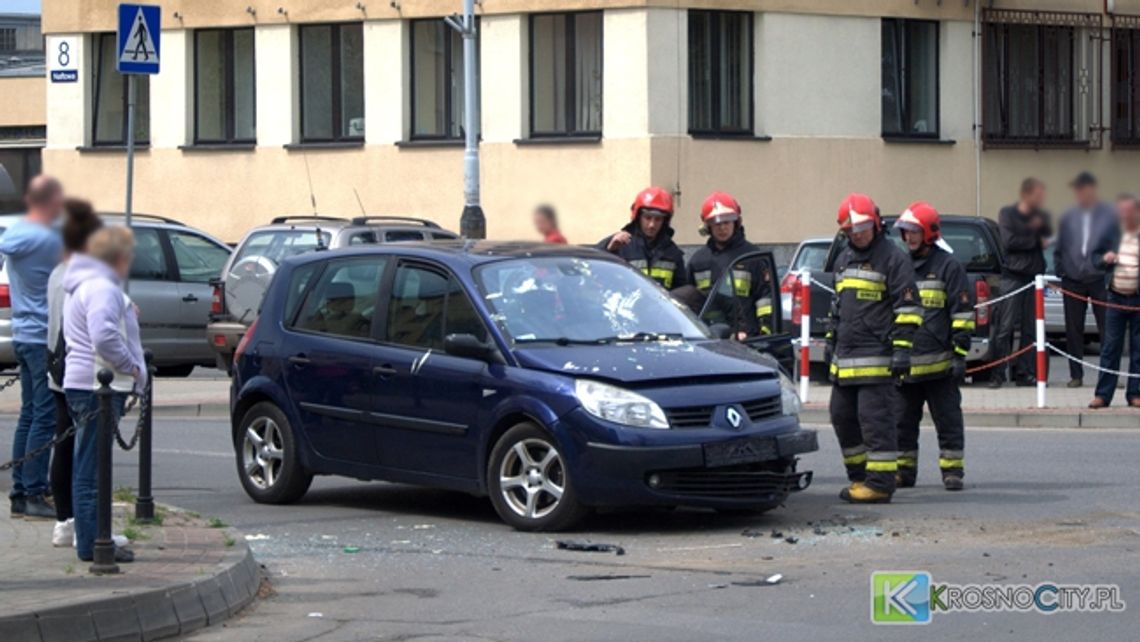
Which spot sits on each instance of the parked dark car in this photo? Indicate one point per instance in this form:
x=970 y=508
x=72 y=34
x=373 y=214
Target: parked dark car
x=975 y=244
x=551 y=378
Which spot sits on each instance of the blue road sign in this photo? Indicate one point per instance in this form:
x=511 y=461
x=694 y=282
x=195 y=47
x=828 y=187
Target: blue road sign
x=139 y=33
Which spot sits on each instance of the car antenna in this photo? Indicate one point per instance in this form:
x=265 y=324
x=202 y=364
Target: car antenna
x=313 y=201
x=359 y=202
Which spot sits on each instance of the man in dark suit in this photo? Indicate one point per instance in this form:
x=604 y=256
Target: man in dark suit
x=1081 y=230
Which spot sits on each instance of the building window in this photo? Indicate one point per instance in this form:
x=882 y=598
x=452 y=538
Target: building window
x=720 y=72
x=224 y=95
x=1126 y=81
x=910 y=78
x=7 y=40
x=1040 y=78
x=332 y=82
x=437 y=81
x=109 y=125
x=566 y=74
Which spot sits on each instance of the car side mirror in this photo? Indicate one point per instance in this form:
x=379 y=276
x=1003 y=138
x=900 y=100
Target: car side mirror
x=467 y=346
x=721 y=331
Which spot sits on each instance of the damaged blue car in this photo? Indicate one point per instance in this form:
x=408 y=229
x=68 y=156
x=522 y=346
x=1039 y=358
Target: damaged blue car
x=552 y=379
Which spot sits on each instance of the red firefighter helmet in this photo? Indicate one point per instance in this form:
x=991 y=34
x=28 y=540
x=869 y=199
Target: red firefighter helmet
x=856 y=212
x=652 y=198
x=921 y=216
x=719 y=208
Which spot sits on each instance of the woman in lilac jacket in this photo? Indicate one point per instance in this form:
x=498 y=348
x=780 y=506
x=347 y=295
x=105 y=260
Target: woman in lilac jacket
x=101 y=329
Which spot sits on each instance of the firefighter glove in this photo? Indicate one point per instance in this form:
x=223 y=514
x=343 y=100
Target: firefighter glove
x=900 y=364
x=958 y=369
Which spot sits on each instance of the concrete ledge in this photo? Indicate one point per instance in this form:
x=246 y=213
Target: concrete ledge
x=151 y=614
x=1123 y=418
x=212 y=410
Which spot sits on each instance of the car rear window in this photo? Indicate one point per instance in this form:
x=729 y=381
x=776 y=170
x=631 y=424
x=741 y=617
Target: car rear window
x=278 y=245
x=811 y=257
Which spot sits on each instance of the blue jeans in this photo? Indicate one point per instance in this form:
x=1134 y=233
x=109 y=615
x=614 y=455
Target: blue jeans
x=36 y=425
x=1116 y=324
x=84 y=486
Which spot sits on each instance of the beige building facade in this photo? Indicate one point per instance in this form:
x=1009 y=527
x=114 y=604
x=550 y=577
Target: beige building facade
x=783 y=103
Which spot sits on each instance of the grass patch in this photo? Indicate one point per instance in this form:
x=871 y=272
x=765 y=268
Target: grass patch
x=69 y=569
x=193 y=514
x=214 y=522
x=229 y=541
x=124 y=494
x=134 y=534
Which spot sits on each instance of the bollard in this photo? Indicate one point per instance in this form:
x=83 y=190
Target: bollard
x=144 y=505
x=104 y=562
x=805 y=333
x=1039 y=293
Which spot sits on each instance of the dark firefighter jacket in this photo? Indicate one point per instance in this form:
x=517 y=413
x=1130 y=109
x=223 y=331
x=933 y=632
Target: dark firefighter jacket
x=751 y=280
x=874 y=312
x=660 y=259
x=947 y=315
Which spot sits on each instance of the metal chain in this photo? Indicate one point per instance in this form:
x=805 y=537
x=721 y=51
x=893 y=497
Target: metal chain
x=132 y=402
x=4 y=385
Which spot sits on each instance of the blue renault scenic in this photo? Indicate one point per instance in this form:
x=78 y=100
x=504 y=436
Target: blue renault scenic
x=553 y=379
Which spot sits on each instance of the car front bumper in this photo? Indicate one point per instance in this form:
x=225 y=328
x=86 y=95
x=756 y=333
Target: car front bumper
x=706 y=467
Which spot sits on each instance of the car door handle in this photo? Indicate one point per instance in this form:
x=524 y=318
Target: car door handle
x=190 y=298
x=300 y=360
x=384 y=371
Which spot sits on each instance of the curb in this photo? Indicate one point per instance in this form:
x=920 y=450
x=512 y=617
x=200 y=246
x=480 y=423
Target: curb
x=211 y=410
x=1016 y=418
x=147 y=615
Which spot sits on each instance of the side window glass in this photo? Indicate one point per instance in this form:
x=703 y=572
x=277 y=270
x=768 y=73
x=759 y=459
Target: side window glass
x=198 y=258
x=460 y=316
x=443 y=236
x=415 y=314
x=343 y=301
x=393 y=236
x=298 y=285
x=362 y=238
x=150 y=260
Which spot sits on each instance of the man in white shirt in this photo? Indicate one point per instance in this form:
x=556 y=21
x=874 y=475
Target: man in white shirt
x=1119 y=255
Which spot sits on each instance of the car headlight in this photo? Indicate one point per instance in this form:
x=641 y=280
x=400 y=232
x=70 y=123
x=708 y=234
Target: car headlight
x=618 y=405
x=789 y=396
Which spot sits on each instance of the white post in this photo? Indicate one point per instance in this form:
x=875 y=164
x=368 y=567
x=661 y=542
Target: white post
x=805 y=332
x=1042 y=357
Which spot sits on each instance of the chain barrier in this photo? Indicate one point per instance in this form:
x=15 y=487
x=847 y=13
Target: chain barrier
x=1089 y=299
x=1005 y=296
x=14 y=379
x=1004 y=360
x=824 y=286
x=132 y=402
x=1094 y=366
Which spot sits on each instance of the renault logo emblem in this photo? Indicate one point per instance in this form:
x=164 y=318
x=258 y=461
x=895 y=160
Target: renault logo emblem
x=733 y=417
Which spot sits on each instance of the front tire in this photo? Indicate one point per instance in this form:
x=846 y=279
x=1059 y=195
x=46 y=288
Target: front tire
x=268 y=462
x=530 y=483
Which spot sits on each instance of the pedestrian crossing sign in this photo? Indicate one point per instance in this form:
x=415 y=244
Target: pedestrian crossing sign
x=139 y=34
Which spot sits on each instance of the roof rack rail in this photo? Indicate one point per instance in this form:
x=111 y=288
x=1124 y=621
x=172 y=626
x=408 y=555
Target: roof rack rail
x=363 y=220
x=142 y=215
x=277 y=220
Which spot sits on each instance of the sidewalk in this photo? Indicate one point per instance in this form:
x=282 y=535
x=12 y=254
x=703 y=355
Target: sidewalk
x=1013 y=407
x=197 y=396
x=185 y=576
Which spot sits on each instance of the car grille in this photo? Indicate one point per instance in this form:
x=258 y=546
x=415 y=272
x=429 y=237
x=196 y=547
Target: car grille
x=730 y=484
x=701 y=416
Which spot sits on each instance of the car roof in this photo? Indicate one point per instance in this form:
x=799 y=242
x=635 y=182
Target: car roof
x=464 y=252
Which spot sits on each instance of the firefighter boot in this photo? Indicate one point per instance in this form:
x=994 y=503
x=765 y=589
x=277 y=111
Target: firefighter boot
x=952 y=479
x=859 y=493
x=907 y=475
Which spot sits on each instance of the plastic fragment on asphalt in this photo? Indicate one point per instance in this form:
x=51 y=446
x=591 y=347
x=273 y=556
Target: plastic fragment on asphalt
x=316 y=614
x=351 y=549
x=422 y=527
x=256 y=538
x=774 y=579
x=588 y=547
x=791 y=539
x=718 y=586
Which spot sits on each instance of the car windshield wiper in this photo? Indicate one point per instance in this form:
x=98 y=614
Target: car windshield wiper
x=647 y=336
x=566 y=341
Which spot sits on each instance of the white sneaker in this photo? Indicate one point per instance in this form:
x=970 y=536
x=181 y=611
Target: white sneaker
x=120 y=541
x=63 y=534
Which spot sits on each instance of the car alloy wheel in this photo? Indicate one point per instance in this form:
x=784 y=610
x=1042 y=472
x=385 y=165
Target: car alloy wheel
x=532 y=478
x=263 y=452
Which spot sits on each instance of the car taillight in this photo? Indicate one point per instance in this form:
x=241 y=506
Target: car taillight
x=797 y=300
x=241 y=346
x=789 y=283
x=5 y=296
x=216 y=301
x=982 y=294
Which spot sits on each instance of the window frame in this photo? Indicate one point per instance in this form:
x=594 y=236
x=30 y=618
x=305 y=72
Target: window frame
x=168 y=234
x=164 y=246
x=337 y=82
x=389 y=289
x=228 y=80
x=98 y=82
x=571 y=93
x=449 y=95
x=1130 y=26
x=717 y=66
x=5 y=34
x=1077 y=23
x=904 y=102
x=379 y=323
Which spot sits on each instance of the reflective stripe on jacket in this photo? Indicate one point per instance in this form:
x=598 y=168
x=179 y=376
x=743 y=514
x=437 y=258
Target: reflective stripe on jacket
x=947 y=315
x=752 y=280
x=660 y=259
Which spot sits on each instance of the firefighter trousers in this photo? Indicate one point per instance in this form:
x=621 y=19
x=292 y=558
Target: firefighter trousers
x=865 y=422
x=945 y=401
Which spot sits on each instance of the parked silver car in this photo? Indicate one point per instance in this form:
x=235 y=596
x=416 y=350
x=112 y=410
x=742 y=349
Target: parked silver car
x=238 y=291
x=812 y=255
x=169 y=281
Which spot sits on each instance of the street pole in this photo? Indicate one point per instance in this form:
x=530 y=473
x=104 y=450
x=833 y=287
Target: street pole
x=130 y=158
x=472 y=224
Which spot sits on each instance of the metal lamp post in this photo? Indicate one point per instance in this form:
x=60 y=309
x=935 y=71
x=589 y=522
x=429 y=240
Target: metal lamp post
x=472 y=224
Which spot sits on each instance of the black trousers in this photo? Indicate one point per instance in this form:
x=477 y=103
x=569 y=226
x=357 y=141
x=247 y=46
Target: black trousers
x=1015 y=313
x=864 y=421
x=62 y=460
x=1075 y=319
x=945 y=401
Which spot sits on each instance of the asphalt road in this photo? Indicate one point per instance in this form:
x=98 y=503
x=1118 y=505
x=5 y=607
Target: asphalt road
x=1042 y=505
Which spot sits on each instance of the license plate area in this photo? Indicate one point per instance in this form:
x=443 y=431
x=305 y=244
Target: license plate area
x=740 y=451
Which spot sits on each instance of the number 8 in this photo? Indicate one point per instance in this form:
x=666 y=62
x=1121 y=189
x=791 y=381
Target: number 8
x=64 y=56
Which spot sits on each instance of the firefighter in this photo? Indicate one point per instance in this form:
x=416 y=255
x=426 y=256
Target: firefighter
x=752 y=280
x=938 y=358
x=647 y=241
x=873 y=317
